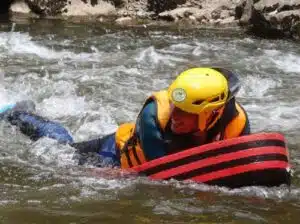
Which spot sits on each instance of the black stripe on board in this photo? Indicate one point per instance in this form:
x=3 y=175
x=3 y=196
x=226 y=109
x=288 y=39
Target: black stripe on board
x=268 y=178
x=213 y=153
x=230 y=164
x=136 y=155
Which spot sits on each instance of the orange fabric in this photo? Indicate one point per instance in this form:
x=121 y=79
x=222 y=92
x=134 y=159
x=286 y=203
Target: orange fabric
x=236 y=126
x=123 y=134
x=163 y=107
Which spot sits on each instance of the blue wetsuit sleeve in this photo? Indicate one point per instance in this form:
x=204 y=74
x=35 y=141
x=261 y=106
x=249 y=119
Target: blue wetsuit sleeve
x=36 y=127
x=149 y=132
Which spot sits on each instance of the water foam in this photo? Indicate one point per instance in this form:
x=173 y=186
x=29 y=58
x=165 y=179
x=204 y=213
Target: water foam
x=97 y=124
x=287 y=62
x=258 y=87
x=49 y=153
x=55 y=107
x=15 y=43
x=153 y=57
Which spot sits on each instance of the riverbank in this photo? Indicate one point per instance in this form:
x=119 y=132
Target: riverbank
x=263 y=18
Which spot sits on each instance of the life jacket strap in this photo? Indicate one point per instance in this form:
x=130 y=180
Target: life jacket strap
x=130 y=145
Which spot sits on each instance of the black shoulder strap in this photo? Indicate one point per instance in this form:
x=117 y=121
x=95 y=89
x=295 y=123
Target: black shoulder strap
x=131 y=142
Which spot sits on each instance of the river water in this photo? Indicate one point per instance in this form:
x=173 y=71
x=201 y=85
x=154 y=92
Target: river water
x=92 y=77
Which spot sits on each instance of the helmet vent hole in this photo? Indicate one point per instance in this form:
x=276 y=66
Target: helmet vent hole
x=198 y=102
x=216 y=99
x=222 y=96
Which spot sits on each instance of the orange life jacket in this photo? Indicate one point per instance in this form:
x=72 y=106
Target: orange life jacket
x=131 y=152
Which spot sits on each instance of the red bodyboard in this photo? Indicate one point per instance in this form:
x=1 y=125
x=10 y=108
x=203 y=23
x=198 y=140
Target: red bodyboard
x=257 y=159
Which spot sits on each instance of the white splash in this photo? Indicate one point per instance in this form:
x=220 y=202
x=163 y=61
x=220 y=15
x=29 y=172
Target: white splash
x=287 y=62
x=257 y=87
x=55 y=107
x=63 y=100
x=98 y=124
x=22 y=43
x=49 y=153
x=204 y=48
x=154 y=57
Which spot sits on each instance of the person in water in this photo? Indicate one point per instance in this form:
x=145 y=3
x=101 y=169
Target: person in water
x=199 y=107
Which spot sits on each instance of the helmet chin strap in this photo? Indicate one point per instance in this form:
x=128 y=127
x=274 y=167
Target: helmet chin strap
x=208 y=119
x=202 y=122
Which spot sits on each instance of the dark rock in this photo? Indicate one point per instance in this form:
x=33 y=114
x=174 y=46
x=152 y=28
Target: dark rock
x=261 y=27
x=47 y=7
x=256 y=23
x=267 y=6
x=159 y=6
x=291 y=6
x=295 y=30
x=287 y=21
x=239 y=10
x=217 y=13
x=247 y=12
x=4 y=6
x=116 y=3
x=94 y=2
x=280 y=17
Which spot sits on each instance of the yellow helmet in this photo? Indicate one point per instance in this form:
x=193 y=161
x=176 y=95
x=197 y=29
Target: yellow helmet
x=202 y=91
